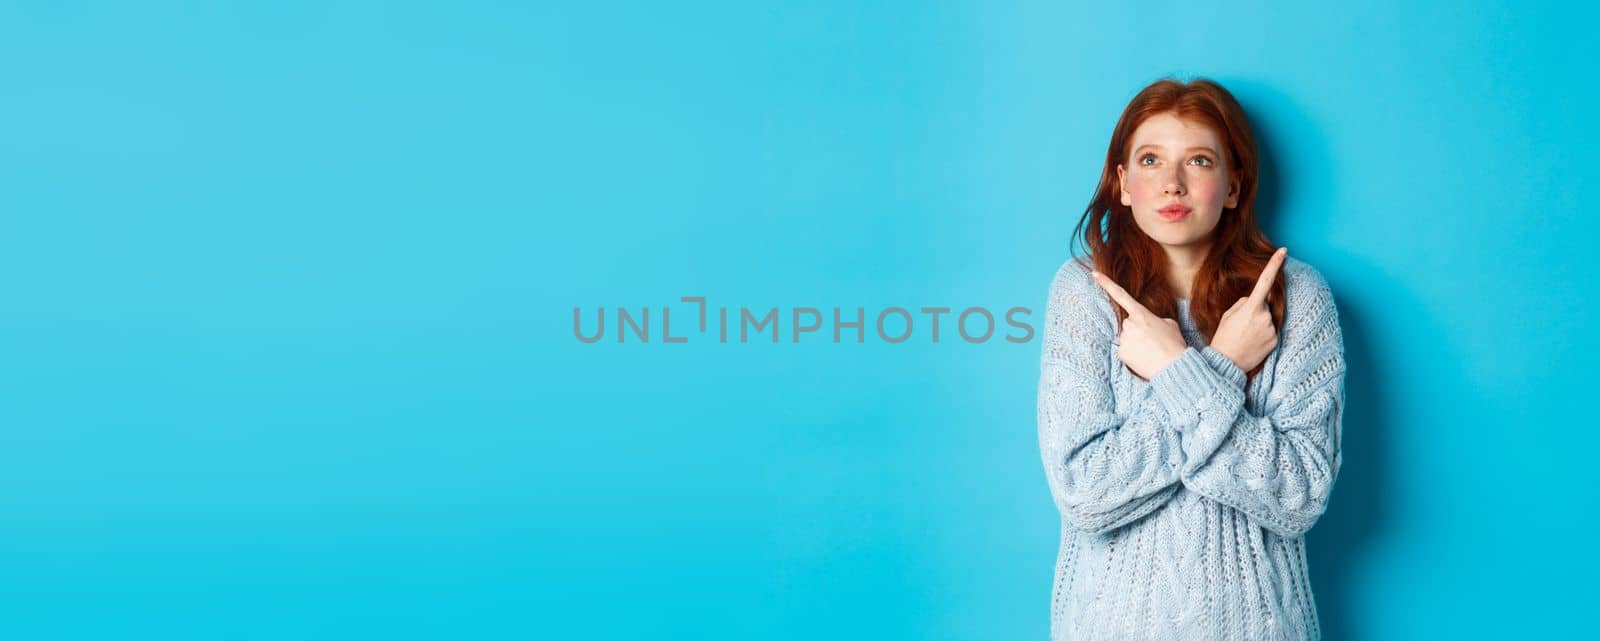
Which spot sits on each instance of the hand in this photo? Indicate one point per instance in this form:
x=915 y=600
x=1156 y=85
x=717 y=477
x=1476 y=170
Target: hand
x=1246 y=334
x=1149 y=342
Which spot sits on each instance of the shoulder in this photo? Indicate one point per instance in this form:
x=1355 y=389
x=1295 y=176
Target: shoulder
x=1306 y=289
x=1311 y=316
x=1076 y=299
x=1079 y=324
x=1302 y=273
x=1073 y=278
x=1073 y=286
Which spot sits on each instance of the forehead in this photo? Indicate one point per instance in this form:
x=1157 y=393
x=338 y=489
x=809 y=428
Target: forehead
x=1168 y=130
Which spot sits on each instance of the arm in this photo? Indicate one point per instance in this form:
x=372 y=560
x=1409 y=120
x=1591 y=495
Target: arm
x=1278 y=466
x=1106 y=468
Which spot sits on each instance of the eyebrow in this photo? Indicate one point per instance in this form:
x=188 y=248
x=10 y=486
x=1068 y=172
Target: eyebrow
x=1141 y=147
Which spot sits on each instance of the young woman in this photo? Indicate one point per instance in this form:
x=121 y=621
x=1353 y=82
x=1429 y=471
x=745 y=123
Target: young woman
x=1190 y=394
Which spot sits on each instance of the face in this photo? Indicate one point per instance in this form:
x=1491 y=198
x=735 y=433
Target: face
x=1176 y=167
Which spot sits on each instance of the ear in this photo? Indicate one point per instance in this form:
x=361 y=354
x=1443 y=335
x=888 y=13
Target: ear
x=1122 y=186
x=1233 y=192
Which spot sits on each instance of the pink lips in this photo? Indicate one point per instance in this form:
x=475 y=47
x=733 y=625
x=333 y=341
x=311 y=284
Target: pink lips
x=1174 y=212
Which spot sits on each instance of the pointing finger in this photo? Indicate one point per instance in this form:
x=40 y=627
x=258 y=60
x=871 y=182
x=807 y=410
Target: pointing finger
x=1120 y=295
x=1264 y=284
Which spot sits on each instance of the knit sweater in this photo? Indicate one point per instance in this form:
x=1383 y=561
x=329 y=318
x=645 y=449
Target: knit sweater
x=1184 y=500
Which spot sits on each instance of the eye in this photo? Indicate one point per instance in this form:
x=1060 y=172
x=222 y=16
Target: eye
x=1149 y=157
x=1203 y=161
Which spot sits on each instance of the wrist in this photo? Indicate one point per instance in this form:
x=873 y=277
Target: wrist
x=1172 y=357
x=1223 y=349
x=1181 y=384
x=1224 y=366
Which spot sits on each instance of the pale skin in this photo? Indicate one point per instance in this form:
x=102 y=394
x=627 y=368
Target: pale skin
x=1172 y=161
x=1180 y=162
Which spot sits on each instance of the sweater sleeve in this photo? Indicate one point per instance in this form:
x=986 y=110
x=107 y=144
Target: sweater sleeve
x=1278 y=466
x=1107 y=466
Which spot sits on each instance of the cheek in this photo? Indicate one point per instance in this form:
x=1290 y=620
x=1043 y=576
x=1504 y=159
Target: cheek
x=1146 y=188
x=1211 y=187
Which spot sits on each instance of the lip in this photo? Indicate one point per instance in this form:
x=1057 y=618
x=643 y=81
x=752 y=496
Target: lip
x=1174 y=212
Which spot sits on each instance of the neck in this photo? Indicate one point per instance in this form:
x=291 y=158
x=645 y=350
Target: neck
x=1183 y=262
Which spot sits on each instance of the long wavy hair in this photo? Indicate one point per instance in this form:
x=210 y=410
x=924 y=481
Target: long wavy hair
x=1239 y=249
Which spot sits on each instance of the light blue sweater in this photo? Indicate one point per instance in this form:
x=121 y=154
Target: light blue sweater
x=1184 y=500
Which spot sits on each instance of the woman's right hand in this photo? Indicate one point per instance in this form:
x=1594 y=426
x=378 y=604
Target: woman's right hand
x=1149 y=343
x=1246 y=334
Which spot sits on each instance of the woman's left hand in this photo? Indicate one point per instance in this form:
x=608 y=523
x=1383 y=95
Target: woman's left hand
x=1149 y=343
x=1246 y=334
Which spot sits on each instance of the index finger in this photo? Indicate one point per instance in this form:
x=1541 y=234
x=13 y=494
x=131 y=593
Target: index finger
x=1258 y=296
x=1120 y=295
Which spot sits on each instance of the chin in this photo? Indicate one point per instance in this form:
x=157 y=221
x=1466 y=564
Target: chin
x=1170 y=239
x=1175 y=242
x=1189 y=232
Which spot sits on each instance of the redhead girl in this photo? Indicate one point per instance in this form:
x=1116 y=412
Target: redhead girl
x=1191 y=391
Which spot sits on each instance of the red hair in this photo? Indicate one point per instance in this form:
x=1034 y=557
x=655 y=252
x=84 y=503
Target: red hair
x=1239 y=249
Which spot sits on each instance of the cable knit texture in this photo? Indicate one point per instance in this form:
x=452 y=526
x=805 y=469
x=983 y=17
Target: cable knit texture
x=1185 y=500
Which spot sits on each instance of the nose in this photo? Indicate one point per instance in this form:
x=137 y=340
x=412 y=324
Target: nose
x=1174 y=185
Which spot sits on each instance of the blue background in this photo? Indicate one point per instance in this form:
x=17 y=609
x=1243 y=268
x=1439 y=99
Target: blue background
x=287 y=337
